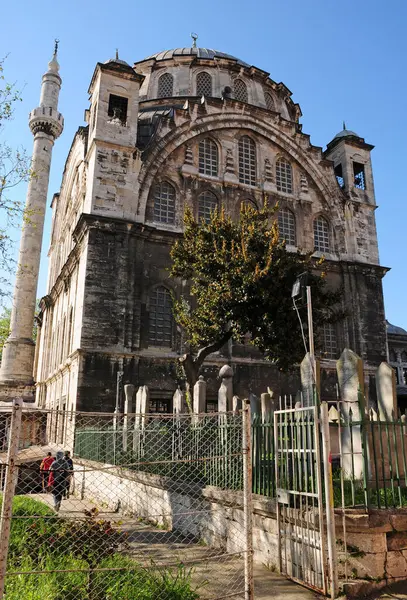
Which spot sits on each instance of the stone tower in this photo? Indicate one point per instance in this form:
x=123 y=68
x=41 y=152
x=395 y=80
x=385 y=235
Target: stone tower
x=46 y=124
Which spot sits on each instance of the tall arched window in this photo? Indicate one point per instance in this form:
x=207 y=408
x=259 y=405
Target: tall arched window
x=207 y=204
x=160 y=321
x=240 y=90
x=165 y=86
x=321 y=235
x=164 y=203
x=284 y=176
x=203 y=84
x=269 y=101
x=208 y=157
x=247 y=161
x=286 y=226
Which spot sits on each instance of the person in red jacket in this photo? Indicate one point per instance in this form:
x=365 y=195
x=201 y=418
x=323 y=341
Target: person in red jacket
x=45 y=469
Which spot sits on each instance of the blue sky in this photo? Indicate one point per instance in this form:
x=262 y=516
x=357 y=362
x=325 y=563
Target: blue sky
x=343 y=60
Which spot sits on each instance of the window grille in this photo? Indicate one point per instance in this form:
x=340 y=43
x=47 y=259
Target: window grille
x=284 y=176
x=321 y=235
x=208 y=157
x=330 y=346
x=404 y=357
x=165 y=86
x=160 y=322
x=359 y=176
x=164 y=203
x=118 y=107
x=240 y=91
x=269 y=101
x=286 y=226
x=247 y=161
x=203 y=84
x=207 y=204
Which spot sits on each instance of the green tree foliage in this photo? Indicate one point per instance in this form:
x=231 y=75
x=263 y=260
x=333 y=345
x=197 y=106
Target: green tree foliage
x=241 y=277
x=14 y=168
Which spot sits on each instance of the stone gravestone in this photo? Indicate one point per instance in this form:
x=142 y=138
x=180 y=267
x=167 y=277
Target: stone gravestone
x=225 y=393
x=255 y=407
x=178 y=402
x=236 y=404
x=386 y=392
x=350 y=378
x=310 y=377
x=199 y=399
x=128 y=409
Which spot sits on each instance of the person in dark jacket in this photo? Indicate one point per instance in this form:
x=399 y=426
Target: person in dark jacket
x=69 y=477
x=57 y=479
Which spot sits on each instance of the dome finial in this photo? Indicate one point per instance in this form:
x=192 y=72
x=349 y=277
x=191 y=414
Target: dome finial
x=117 y=53
x=344 y=125
x=194 y=37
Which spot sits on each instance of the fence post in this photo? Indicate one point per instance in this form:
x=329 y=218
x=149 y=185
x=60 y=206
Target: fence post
x=329 y=500
x=247 y=501
x=9 y=487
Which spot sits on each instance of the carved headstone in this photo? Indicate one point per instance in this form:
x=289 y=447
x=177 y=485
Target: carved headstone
x=128 y=408
x=310 y=379
x=236 y=404
x=255 y=407
x=178 y=402
x=351 y=385
x=386 y=391
x=199 y=397
x=225 y=393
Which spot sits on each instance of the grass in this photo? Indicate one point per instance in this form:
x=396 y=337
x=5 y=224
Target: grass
x=42 y=541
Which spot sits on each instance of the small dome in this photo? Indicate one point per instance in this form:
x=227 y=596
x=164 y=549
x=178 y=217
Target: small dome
x=346 y=133
x=394 y=329
x=118 y=61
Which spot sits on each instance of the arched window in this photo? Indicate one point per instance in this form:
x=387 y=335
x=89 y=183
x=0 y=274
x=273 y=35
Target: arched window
x=208 y=157
x=207 y=204
x=269 y=101
x=330 y=345
x=284 y=176
x=404 y=357
x=165 y=86
x=247 y=161
x=240 y=90
x=321 y=235
x=286 y=226
x=392 y=356
x=164 y=203
x=203 y=84
x=160 y=321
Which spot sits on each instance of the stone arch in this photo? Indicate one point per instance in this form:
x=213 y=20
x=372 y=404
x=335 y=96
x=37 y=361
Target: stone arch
x=185 y=133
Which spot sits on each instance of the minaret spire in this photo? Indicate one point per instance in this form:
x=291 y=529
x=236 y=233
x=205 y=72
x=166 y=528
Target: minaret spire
x=46 y=124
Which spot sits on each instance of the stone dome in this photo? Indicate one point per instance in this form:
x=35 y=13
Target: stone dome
x=346 y=133
x=395 y=329
x=204 y=53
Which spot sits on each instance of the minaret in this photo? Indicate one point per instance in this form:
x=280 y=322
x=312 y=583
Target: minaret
x=46 y=124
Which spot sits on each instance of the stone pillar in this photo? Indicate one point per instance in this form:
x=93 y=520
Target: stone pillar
x=178 y=401
x=310 y=377
x=236 y=404
x=350 y=377
x=225 y=394
x=254 y=405
x=268 y=405
x=46 y=124
x=386 y=392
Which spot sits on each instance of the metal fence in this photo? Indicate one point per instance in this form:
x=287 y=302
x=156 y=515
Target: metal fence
x=140 y=508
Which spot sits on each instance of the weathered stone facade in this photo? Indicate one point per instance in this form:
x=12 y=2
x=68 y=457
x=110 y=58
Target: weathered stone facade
x=397 y=347
x=193 y=128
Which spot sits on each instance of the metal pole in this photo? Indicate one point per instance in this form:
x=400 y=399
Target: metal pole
x=247 y=501
x=311 y=333
x=329 y=501
x=9 y=487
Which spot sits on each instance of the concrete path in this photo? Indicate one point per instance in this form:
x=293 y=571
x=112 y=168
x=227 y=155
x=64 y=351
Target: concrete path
x=215 y=574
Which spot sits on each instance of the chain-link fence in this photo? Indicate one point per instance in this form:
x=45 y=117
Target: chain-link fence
x=125 y=507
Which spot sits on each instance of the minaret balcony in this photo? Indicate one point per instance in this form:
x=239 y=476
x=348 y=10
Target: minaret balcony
x=47 y=120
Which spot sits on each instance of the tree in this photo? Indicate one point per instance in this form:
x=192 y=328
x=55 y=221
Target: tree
x=241 y=276
x=14 y=168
